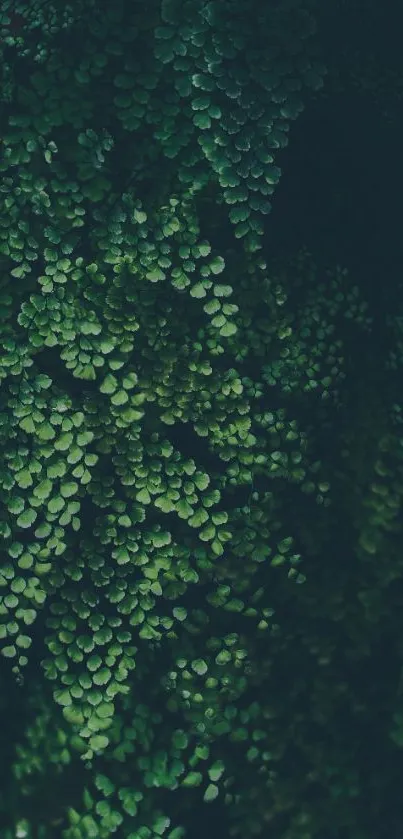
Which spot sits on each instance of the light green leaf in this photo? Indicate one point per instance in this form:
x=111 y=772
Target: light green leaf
x=155 y=275
x=109 y=384
x=199 y=666
x=198 y=290
x=199 y=518
x=28 y=425
x=63 y=442
x=184 y=509
x=104 y=785
x=27 y=518
x=24 y=478
x=130 y=381
x=9 y=652
x=193 y=779
x=165 y=504
x=139 y=216
x=63 y=697
x=105 y=710
x=119 y=398
x=220 y=290
x=56 y=470
x=43 y=489
x=202 y=480
x=217 y=547
x=202 y=120
x=106 y=346
x=16 y=505
x=179 y=613
x=143 y=496
x=68 y=489
x=45 y=431
x=85 y=437
x=207 y=533
x=228 y=329
x=55 y=505
x=216 y=770
x=223 y=658
x=210 y=793
x=217 y=265
x=98 y=742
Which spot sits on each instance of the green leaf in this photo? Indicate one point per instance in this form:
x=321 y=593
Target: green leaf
x=119 y=398
x=204 y=248
x=27 y=518
x=212 y=307
x=55 y=505
x=74 y=455
x=210 y=793
x=165 y=504
x=155 y=275
x=24 y=478
x=199 y=666
x=68 y=489
x=129 y=804
x=193 y=779
x=94 y=662
x=237 y=214
x=105 y=710
x=98 y=742
x=19 y=271
x=18 y=585
x=228 y=329
x=223 y=658
x=143 y=496
x=149 y=633
x=45 y=431
x=104 y=785
x=63 y=697
x=202 y=480
x=161 y=538
x=220 y=290
x=184 y=509
x=9 y=652
x=199 y=518
x=202 y=120
x=106 y=346
x=64 y=442
x=219 y=321
x=56 y=470
x=16 y=505
x=198 y=290
x=130 y=381
x=161 y=824
x=28 y=425
x=139 y=216
x=43 y=489
x=109 y=384
x=216 y=770
x=73 y=715
x=217 y=547
x=180 y=613
x=102 y=676
x=217 y=265
x=180 y=739
x=29 y=616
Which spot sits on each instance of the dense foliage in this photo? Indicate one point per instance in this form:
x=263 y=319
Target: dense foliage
x=201 y=473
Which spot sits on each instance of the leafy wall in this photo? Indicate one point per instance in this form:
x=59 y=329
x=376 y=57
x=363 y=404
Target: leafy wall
x=201 y=437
